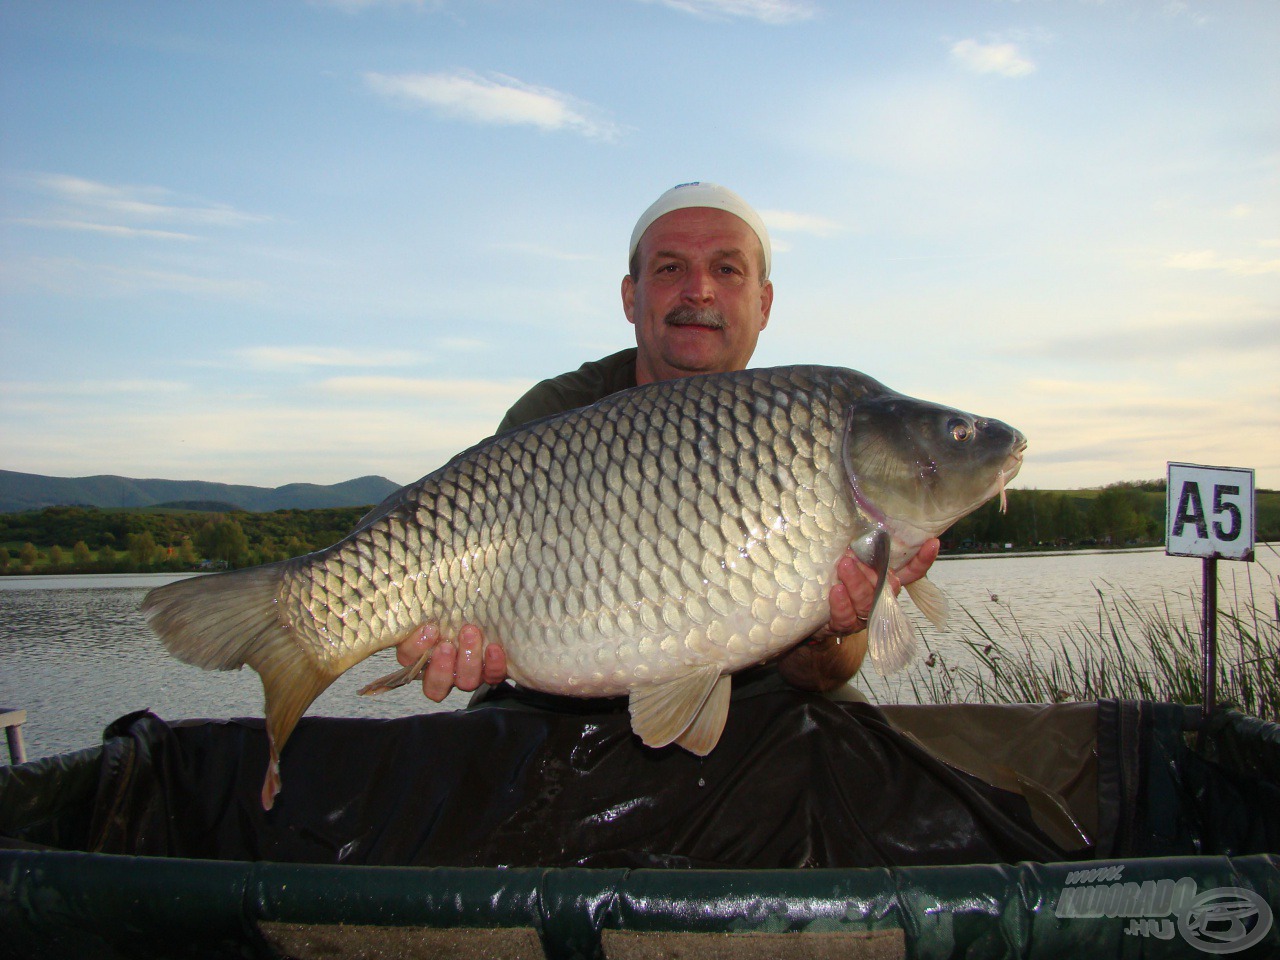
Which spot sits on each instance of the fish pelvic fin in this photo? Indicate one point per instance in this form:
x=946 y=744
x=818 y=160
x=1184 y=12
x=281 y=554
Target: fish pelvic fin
x=225 y=621
x=663 y=713
x=929 y=600
x=891 y=642
x=399 y=678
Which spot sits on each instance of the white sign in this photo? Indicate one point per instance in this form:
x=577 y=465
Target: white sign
x=1209 y=512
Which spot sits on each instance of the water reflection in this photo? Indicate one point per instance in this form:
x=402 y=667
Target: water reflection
x=75 y=653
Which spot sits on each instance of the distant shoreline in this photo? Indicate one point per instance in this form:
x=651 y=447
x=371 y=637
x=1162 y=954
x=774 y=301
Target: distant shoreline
x=10 y=575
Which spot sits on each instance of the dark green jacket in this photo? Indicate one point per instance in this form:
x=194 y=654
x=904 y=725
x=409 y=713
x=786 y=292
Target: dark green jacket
x=592 y=381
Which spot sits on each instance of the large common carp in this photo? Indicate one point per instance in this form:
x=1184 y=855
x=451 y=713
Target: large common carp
x=649 y=545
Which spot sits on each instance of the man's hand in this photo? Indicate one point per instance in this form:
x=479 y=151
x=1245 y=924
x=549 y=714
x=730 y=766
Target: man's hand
x=831 y=656
x=464 y=665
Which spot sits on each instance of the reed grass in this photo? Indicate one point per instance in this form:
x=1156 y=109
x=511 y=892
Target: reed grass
x=1133 y=650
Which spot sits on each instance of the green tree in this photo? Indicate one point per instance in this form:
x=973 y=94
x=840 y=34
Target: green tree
x=81 y=555
x=28 y=555
x=1112 y=516
x=224 y=540
x=4 y=559
x=142 y=548
x=56 y=559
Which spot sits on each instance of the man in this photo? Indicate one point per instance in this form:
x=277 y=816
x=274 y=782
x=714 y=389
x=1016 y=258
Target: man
x=698 y=293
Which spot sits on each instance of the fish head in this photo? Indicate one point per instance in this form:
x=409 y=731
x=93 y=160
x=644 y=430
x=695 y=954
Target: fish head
x=916 y=467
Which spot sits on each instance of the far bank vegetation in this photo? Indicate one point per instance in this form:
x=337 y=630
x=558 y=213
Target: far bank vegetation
x=155 y=539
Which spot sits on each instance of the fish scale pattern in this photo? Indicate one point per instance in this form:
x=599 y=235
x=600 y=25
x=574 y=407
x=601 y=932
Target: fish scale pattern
x=690 y=522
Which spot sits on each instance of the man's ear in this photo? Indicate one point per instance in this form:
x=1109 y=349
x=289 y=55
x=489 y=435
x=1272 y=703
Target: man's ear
x=629 y=297
x=766 y=303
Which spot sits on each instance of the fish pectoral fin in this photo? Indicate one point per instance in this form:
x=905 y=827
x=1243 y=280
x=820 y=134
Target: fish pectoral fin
x=891 y=641
x=703 y=734
x=662 y=712
x=929 y=600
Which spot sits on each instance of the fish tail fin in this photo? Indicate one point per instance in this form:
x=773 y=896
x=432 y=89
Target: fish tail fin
x=231 y=619
x=290 y=688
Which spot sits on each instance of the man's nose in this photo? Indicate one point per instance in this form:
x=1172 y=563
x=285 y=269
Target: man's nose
x=698 y=285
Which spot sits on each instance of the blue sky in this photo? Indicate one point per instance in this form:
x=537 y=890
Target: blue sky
x=307 y=241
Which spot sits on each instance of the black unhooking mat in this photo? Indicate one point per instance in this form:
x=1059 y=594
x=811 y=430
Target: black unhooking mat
x=523 y=780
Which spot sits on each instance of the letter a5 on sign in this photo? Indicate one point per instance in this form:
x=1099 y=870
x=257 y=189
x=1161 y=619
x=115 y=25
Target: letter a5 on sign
x=1209 y=512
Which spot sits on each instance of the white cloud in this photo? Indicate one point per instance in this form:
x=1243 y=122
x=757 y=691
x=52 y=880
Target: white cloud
x=766 y=11
x=347 y=427
x=71 y=276
x=1002 y=58
x=356 y=6
x=113 y=230
x=919 y=130
x=548 y=253
x=1230 y=330
x=495 y=395
x=1211 y=260
x=1180 y=8
x=12 y=390
x=1085 y=434
x=497 y=99
x=788 y=221
x=283 y=358
x=100 y=201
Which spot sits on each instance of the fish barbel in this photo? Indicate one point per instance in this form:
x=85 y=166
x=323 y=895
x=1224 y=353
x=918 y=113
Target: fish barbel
x=648 y=545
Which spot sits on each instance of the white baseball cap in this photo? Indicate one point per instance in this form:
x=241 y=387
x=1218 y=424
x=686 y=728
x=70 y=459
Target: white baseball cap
x=700 y=193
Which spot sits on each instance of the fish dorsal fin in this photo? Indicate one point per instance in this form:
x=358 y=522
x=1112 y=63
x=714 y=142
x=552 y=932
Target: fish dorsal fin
x=703 y=734
x=891 y=643
x=662 y=712
x=929 y=600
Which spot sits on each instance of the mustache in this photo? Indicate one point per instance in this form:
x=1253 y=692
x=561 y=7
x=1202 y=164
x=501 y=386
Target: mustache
x=686 y=316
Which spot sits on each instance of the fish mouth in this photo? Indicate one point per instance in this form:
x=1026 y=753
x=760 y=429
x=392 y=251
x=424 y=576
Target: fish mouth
x=1008 y=470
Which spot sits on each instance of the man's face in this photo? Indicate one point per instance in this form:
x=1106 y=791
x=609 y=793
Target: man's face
x=698 y=302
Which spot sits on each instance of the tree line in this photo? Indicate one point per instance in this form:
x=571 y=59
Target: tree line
x=91 y=540
x=1121 y=514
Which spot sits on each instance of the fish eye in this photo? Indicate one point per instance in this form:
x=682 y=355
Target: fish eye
x=960 y=430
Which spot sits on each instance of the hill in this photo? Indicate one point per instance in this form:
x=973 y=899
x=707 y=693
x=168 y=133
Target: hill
x=21 y=492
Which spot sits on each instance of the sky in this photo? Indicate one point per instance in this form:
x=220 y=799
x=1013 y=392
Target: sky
x=264 y=243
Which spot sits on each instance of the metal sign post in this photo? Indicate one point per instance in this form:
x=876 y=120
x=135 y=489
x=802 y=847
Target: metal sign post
x=1209 y=513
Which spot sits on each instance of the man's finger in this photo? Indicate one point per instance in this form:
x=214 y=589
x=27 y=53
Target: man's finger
x=466 y=671
x=844 y=614
x=494 y=669
x=919 y=565
x=437 y=680
x=410 y=650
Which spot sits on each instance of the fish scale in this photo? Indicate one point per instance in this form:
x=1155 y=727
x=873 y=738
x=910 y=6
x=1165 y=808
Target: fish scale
x=648 y=545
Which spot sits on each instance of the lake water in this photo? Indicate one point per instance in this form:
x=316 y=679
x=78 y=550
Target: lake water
x=76 y=654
